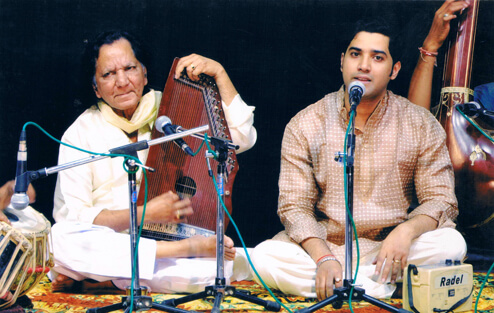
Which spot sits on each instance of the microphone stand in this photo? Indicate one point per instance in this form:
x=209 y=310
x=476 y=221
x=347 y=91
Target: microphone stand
x=127 y=149
x=219 y=290
x=349 y=291
x=137 y=298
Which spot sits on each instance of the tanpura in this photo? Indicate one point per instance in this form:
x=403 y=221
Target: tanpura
x=471 y=151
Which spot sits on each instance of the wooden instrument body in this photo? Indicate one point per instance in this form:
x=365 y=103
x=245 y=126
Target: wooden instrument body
x=190 y=104
x=472 y=157
x=470 y=151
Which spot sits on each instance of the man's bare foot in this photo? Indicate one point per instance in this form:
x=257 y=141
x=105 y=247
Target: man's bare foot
x=66 y=284
x=206 y=246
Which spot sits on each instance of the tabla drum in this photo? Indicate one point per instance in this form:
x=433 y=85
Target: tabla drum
x=15 y=250
x=34 y=229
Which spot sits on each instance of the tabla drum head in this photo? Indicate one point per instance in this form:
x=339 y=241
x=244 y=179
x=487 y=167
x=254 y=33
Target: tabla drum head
x=27 y=221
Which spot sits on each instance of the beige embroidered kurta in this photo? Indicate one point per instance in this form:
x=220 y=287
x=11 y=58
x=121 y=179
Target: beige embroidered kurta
x=401 y=147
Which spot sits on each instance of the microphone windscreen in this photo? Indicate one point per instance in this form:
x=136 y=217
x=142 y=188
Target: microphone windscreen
x=356 y=84
x=19 y=201
x=160 y=123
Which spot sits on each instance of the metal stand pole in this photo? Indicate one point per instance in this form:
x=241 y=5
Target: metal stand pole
x=137 y=298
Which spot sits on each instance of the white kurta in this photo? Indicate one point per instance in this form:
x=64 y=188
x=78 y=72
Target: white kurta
x=83 y=250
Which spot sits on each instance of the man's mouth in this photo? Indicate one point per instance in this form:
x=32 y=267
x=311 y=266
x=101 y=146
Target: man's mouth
x=124 y=94
x=362 y=79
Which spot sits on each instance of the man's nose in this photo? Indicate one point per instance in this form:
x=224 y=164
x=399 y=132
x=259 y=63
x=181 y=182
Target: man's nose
x=122 y=79
x=364 y=65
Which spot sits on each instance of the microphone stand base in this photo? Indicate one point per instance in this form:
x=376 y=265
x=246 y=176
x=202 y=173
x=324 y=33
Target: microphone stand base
x=219 y=292
x=139 y=303
x=343 y=295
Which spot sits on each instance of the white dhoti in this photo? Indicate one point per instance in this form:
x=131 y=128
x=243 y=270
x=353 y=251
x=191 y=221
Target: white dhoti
x=87 y=251
x=287 y=267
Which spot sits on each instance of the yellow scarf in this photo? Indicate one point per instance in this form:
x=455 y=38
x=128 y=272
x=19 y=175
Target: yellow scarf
x=146 y=112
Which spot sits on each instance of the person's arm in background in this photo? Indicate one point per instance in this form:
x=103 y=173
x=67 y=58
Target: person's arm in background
x=6 y=192
x=421 y=83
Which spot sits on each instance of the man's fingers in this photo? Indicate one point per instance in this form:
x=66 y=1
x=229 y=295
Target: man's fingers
x=396 y=269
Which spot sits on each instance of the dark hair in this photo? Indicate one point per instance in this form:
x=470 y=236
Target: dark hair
x=91 y=54
x=381 y=25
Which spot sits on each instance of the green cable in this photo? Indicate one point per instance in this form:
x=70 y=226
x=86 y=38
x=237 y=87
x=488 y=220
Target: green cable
x=350 y=122
x=209 y=147
x=474 y=124
x=202 y=144
x=482 y=286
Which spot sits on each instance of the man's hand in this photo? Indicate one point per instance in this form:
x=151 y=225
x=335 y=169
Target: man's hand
x=165 y=208
x=3 y=218
x=328 y=276
x=7 y=190
x=168 y=208
x=393 y=256
x=441 y=24
x=196 y=65
x=328 y=273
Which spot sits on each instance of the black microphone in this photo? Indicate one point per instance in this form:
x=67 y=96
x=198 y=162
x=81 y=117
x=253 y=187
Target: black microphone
x=20 y=199
x=477 y=110
x=356 y=90
x=164 y=125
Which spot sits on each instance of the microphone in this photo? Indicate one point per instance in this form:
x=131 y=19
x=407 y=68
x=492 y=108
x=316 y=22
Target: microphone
x=164 y=125
x=20 y=199
x=356 y=90
x=477 y=110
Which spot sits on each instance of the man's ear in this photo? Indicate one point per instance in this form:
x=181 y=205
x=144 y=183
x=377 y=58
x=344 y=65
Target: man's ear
x=145 y=70
x=341 y=61
x=396 y=70
x=95 y=88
